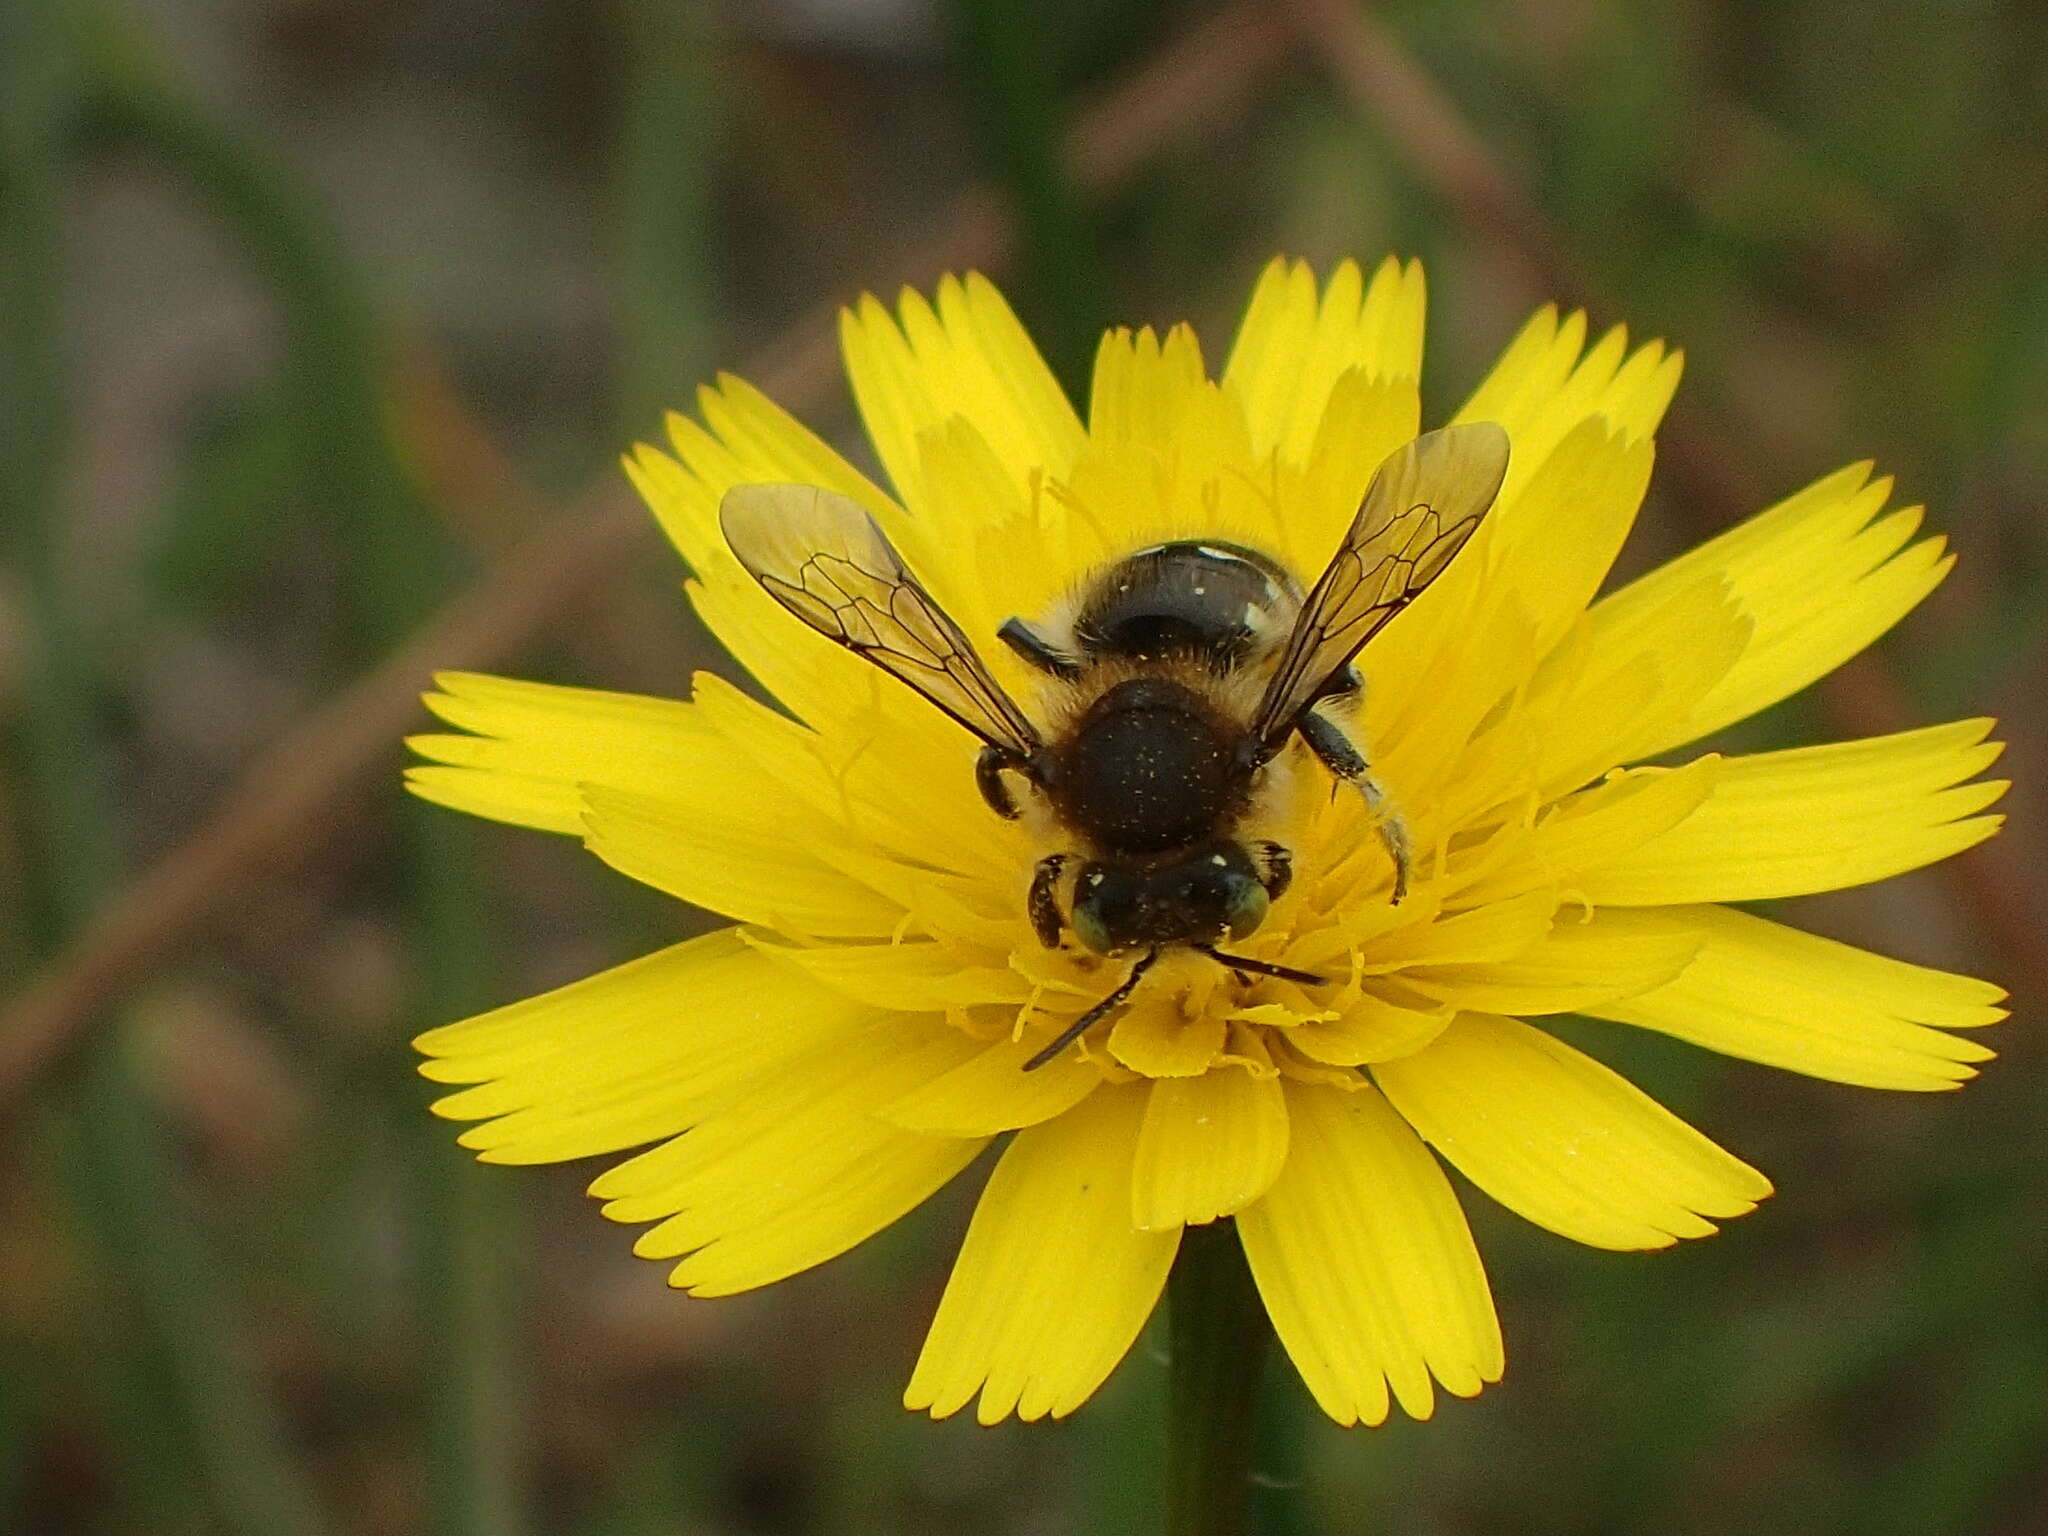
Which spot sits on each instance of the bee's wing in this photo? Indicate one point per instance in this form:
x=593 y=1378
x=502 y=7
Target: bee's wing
x=822 y=557
x=1424 y=502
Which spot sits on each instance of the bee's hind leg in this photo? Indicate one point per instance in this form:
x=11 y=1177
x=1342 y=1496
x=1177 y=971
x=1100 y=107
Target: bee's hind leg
x=1341 y=756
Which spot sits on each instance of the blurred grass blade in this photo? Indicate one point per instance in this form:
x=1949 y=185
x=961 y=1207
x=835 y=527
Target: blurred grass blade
x=189 y=1422
x=1010 y=89
x=338 y=370
x=662 y=208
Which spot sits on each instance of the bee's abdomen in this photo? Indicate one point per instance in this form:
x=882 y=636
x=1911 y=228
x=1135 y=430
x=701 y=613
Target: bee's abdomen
x=1147 y=770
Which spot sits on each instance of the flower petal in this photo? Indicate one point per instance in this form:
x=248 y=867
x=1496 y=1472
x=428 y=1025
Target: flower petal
x=726 y=865
x=1374 y=1026
x=991 y=1092
x=1485 y=935
x=1053 y=1283
x=1368 y=416
x=534 y=743
x=1293 y=346
x=1576 y=508
x=745 y=438
x=1154 y=1037
x=968 y=358
x=1595 y=703
x=1578 y=964
x=1814 y=819
x=1818 y=576
x=1595 y=827
x=1772 y=994
x=751 y=440
x=1557 y=1137
x=630 y=1054
x=799 y=1169
x=1543 y=388
x=853 y=781
x=1208 y=1147
x=907 y=977
x=1366 y=1265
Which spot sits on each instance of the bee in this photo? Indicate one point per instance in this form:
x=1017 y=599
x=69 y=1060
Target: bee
x=1173 y=679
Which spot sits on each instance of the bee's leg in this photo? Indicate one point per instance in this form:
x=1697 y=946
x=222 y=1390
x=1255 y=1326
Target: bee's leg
x=1276 y=869
x=1044 y=901
x=1037 y=650
x=1079 y=1027
x=1341 y=756
x=988 y=778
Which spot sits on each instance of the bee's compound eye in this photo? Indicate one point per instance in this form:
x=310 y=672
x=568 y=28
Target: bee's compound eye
x=1090 y=928
x=1248 y=905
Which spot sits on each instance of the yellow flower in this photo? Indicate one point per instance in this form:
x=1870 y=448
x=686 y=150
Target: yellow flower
x=804 y=1078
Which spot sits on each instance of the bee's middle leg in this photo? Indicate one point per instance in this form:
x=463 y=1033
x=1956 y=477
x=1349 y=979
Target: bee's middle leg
x=1340 y=754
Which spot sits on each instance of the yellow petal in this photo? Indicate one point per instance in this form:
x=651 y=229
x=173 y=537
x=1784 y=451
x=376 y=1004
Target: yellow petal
x=1374 y=1026
x=1053 y=1283
x=1594 y=828
x=1576 y=509
x=1484 y=936
x=1155 y=1037
x=1144 y=387
x=1294 y=346
x=1814 y=819
x=1818 y=576
x=1577 y=965
x=726 y=865
x=968 y=358
x=1772 y=994
x=1368 y=416
x=534 y=743
x=1435 y=674
x=909 y=977
x=1596 y=703
x=970 y=563
x=852 y=779
x=893 y=1177
x=1366 y=1265
x=630 y=1054
x=991 y=1092
x=811 y=677
x=718 y=761
x=745 y=438
x=1560 y=1139
x=799 y=1169
x=1543 y=388
x=1208 y=1147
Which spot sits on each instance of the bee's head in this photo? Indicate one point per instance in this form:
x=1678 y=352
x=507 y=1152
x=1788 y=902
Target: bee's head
x=1213 y=892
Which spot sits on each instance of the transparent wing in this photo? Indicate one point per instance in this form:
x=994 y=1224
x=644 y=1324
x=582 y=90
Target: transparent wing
x=823 y=558
x=1424 y=502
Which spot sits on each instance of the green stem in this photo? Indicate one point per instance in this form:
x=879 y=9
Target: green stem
x=1219 y=1338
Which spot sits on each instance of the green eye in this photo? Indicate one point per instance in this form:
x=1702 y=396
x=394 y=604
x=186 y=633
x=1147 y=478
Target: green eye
x=1247 y=909
x=1088 y=927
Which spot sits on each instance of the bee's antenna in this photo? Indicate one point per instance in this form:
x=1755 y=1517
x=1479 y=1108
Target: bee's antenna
x=1079 y=1027
x=1262 y=967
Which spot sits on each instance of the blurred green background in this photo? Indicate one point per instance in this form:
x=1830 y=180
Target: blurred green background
x=321 y=326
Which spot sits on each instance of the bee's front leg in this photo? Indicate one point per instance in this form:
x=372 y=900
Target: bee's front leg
x=1276 y=869
x=1044 y=901
x=1341 y=756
